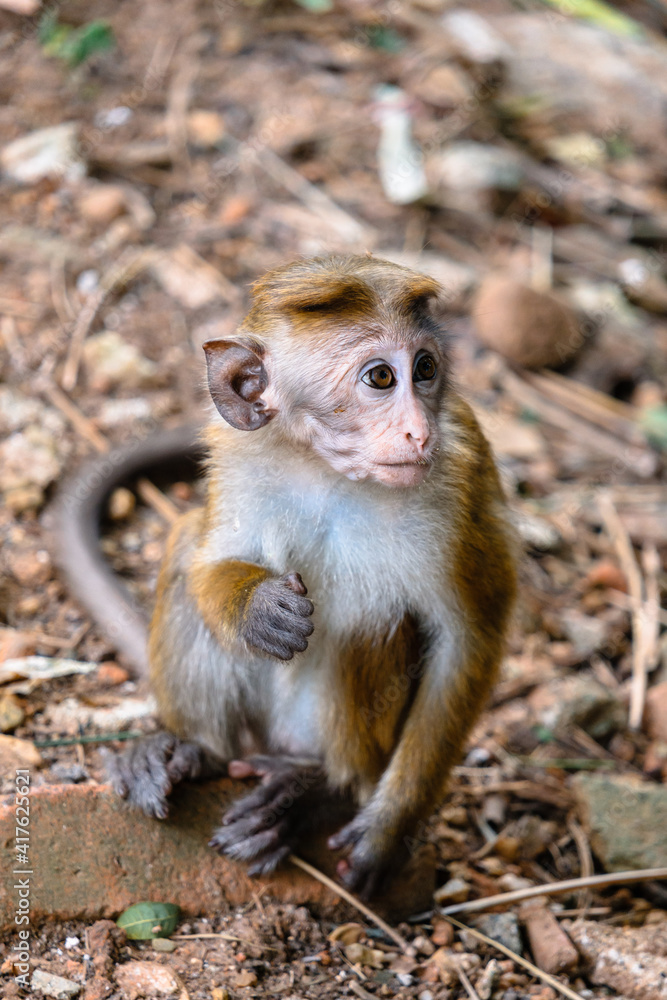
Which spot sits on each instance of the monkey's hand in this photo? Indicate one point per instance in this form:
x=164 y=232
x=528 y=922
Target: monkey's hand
x=275 y=619
x=145 y=774
x=373 y=854
x=265 y=825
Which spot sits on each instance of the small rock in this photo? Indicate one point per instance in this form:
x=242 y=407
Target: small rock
x=111 y=674
x=363 y=955
x=205 y=128
x=443 y=933
x=502 y=927
x=453 y=891
x=551 y=947
x=423 y=945
x=347 y=933
x=102 y=203
x=220 y=993
x=21 y=499
x=485 y=985
x=31 y=568
x=112 y=361
x=71 y=774
x=11 y=713
x=655 y=713
x=47 y=152
x=54 y=986
x=121 y=504
x=444 y=86
x=475 y=166
x=98 y=988
x=29 y=458
x=632 y=961
x=474 y=37
x=529 y=328
x=605 y=573
x=246 y=978
x=578 y=700
x=146 y=979
x=585 y=632
x=164 y=945
x=15 y=753
x=625 y=818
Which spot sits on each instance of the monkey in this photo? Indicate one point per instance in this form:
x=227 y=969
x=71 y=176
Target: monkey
x=334 y=616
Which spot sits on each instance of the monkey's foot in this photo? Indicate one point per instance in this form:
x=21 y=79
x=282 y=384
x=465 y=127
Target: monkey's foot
x=265 y=826
x=371 y=859
x=146 y=773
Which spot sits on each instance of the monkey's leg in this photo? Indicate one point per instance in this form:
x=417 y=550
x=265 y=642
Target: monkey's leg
x=145 y=774
x=267 y=824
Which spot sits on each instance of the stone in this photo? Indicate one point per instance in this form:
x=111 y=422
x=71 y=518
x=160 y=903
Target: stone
x=30 y=567
x=111 y=674
x=632 y=961
x=445 y=86
x=453 y=891
x=245 y=978
x=586 y=633
x=552 y=949
x=111 y=361
x=655 y=712
x=147 y=979
x=28 y=458
x=205 y=128
x=47 y=152
x=16 y=753
x=529 y=328
x=164 y=945
x=49 y=985
x=625 y=818
x=102 y=203
x=121 y=504
x=109 y=857
x=502 y=927
x=11 y=713
x=578 y=700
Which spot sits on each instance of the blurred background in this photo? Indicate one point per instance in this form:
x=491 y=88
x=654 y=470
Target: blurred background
x=157 y=157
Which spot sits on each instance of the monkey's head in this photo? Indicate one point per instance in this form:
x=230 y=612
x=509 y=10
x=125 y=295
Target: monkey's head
x=342 y=354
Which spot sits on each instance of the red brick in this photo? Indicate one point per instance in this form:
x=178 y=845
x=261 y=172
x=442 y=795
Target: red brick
x=92 y=857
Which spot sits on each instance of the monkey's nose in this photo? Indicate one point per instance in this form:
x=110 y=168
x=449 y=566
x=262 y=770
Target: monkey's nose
x=419 y=436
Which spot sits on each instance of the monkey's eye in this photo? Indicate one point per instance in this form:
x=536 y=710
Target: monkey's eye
x=425 y=368
x=380 y=377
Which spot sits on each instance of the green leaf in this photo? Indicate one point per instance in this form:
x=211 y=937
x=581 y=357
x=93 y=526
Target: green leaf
x=74 y=45
x=316 y=6
x=601 y=14
x=653 y=421
x=144 y=921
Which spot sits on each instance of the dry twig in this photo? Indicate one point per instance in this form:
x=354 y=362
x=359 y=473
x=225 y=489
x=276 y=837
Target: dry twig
x=349 y=898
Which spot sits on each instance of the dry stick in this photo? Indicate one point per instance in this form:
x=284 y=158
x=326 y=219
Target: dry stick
x=555 y=889
x=533 y=969
x=640 y=460
x=651 y=567
x=130 y=263
x=467 y=985
x=349 y=898
x=585 y=858
x=632 y=573
x=312 y=197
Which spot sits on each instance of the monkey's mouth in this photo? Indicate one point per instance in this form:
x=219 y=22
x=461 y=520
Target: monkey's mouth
x=404 y=473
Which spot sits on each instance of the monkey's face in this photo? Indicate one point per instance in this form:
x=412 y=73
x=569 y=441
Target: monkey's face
x=373 y=415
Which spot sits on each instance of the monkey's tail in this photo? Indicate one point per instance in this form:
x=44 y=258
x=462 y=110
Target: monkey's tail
x=79 y=508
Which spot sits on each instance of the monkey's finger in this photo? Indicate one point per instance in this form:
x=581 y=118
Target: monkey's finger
x=347 y=837
x=186 y=762
x=269 y=861
x=297 y=605
x=294 y=582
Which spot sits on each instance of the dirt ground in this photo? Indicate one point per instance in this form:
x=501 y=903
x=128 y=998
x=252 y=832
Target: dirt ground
x=213 y=141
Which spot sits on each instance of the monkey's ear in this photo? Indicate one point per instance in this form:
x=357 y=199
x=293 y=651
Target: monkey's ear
x=236 y=380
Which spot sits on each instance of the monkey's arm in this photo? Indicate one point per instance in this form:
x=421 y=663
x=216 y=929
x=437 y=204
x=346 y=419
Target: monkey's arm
x=244 y=601
x=79 y=508
x=460 y=668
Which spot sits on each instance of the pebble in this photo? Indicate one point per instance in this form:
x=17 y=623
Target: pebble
x=110 y=674
x=502 y=927
x=122 y=503
x=246 y=978
x=453 y=891
x=163 y=945
x=11 y=713
x=49 y=985
x=102 y=203
x=205 y=128
x=112 y=361
x=15 y=753
x=146 y=979
x=30 y=568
